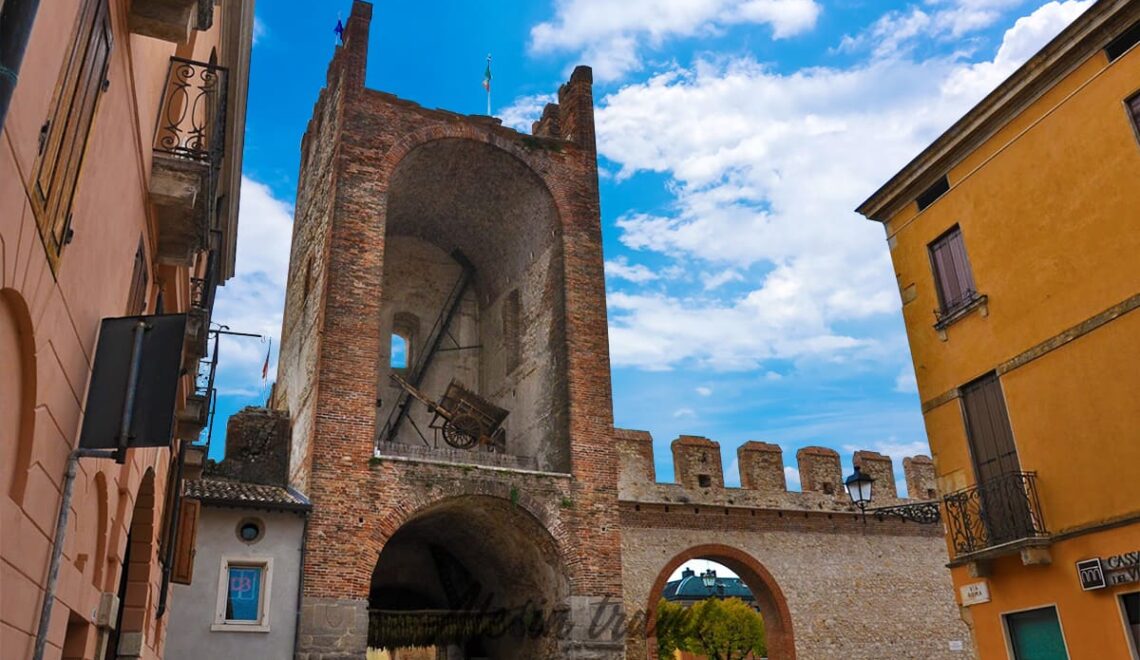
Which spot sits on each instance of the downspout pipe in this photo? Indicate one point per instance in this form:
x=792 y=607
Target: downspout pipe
x=300 y=584
x=16 y=19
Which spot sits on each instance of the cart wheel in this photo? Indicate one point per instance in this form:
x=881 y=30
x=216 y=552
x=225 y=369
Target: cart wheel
x=462 y=431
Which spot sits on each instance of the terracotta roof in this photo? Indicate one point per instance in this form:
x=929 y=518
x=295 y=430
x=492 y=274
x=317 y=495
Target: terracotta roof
x=241 y=494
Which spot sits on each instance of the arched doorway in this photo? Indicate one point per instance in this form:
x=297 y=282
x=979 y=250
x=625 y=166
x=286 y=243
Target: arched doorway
x=769 y=598
x=473 y=577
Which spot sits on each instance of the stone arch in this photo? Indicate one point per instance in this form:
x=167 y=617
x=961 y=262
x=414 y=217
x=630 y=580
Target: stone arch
x=17 y=393
x=769 y=597
x=417 y=501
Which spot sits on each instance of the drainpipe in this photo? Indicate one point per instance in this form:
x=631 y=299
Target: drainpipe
x=16 y=18
x=300 y=585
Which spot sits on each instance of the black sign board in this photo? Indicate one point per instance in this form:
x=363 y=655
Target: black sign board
x=1092 y=574
x=159 y=367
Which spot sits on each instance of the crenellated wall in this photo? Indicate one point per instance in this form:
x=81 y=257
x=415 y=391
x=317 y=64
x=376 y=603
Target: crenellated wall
x=699 y=475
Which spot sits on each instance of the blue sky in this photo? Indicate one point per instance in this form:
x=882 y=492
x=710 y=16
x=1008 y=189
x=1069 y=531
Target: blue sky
x=747 y=300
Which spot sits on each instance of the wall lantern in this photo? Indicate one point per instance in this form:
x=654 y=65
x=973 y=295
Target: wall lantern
x=709 y=578
x=859 y=489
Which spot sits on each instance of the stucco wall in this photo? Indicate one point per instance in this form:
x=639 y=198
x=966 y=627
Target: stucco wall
x=194 y=605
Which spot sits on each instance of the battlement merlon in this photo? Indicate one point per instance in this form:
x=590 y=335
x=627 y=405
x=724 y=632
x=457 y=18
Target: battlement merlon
x=698 y=469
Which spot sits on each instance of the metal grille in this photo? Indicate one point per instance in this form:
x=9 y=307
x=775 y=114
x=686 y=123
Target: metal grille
x=191 y=121
x=997 y=511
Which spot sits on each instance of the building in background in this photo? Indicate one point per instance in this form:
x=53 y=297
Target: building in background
x=691 y=588
x=120 y=161
x=1020 y=228
x=246 y=568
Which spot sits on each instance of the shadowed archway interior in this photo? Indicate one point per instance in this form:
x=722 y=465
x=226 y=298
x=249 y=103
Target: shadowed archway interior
x=465 y=555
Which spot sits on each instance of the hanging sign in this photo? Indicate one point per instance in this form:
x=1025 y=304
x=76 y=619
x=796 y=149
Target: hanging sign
x=1098 y=573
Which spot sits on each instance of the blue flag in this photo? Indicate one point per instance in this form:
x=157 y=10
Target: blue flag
x=339 y=30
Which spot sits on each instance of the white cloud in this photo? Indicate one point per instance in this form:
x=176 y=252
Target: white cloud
x=792 y=476
x=766 y=168
x=684 y=412
x=253 y=300
x=525 y=110
x=704 y=391
x=773 y=376
x=716 y=280
x=610 y=36
x=905 y=382
x=259 y=30
x=623 y=270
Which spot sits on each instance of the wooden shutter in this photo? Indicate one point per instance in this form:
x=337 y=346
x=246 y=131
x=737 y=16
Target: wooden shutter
x=63 y=139
x=136 y=299
x=952 y=273
x=184 y=549
x=988 y=429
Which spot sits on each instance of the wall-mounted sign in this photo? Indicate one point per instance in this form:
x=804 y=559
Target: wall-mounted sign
x=975 y=593
x=1097 y=573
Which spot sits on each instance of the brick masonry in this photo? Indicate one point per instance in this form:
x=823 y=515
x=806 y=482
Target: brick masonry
x=373 y=191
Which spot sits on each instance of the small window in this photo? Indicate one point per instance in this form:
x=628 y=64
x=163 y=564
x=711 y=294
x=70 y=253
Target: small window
x=1036 y=635
x=928 y=196
x=1133 y=105
x=704 y=480
x=399 y=352
x=250 y=530
x=243 y=595
x=1123 y=43
x=63 y=136
x=953 y=276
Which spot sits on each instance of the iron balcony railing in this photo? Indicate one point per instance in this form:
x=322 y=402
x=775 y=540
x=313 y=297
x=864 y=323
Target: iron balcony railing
x=192 y=118
x=995 y=512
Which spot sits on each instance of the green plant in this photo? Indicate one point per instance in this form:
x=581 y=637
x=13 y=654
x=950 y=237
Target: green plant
x=375 y=460
x=514 y=496
x=566 y=503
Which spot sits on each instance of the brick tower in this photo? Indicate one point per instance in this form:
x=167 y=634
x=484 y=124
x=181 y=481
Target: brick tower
x=446 y=249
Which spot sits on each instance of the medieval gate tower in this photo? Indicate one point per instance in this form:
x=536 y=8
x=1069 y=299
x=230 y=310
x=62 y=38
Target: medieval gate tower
x=476 y=250
x=445 y=373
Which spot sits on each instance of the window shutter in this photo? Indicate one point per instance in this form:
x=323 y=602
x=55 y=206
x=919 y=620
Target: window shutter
x=136 y=299
x=64 y=139
x=952 y=273
x=1134 y=109
x=183 y=569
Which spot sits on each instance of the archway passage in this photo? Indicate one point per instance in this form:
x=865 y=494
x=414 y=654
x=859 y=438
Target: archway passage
x=474 y=577
x=766 y=592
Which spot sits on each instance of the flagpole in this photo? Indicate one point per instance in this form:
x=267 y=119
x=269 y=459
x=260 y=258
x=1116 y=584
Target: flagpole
x=488 y=84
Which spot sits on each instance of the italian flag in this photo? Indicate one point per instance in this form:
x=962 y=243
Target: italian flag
x=487 y=76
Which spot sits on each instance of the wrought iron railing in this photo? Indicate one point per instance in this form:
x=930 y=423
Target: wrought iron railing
x=1000 y=510
x=192 y=117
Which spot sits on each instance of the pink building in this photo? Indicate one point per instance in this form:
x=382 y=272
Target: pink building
x=120 y=165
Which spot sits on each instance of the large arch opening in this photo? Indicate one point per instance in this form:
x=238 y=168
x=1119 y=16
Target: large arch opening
x=469 y=577
x=473 y=290
x=135 y=611
x=765 y=592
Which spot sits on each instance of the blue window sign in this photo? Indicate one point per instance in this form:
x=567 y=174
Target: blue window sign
x=243 y=600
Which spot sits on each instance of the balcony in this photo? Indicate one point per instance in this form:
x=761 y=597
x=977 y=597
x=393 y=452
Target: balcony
x=188 y=149
x=997 y=517
x=170 y=20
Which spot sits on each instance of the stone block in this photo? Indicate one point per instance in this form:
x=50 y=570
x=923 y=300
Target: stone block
x=696 y=463
x=761 y=467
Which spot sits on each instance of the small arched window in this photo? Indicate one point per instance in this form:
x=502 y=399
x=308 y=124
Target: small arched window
x=401 y=350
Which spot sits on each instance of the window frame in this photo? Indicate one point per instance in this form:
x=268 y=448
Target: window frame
x=1133 y=115
x=68 y=127
x=221 y=623
x=949 y=311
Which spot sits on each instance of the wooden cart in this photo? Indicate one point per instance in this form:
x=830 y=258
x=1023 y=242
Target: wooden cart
x=463 y=417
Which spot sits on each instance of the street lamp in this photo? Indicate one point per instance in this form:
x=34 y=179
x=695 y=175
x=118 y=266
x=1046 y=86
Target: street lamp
x=859 y=490
x=709 y=578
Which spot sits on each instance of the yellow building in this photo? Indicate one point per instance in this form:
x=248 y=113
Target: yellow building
x=1020 y=228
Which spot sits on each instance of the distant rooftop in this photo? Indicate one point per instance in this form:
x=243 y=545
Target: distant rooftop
x=692 y=587
x=225 y=492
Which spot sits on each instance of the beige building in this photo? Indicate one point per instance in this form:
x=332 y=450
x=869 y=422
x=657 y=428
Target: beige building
x=120 y=161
